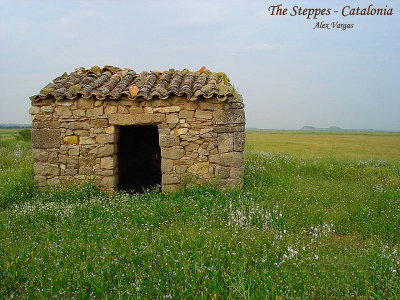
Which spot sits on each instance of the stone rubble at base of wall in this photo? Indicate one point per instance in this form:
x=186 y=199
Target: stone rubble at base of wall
x=76 y=140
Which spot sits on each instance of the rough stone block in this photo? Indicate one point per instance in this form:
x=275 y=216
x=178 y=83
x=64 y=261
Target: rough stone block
x=81 y=133
x=100 y=123
x=79 y=125
x=47 y=109
x=105 y=138
x=53 y=157
x=110 y=129
x=163 y=131
x=66 y=102
x=148 y=110
x=201 y=114
x=191 y=146
x=222 y=172
x=169 y=140
x=199 y=168
x=208 y=105
x=40 y=155
x=71 y=172
x=40 y=125
x=170 y=179
x=166 y=165
x=180 y=131
x=104 y=172
x=177 y=100
x=89 y=161
x=109 y=182
x=159 y=102
x=172 y=118
x=222 y=129
x=239 y=141
x=84 y=140
x=54 y=125
x=71 y=139
x=84 y=103
x=55 y=181
x=98 y=103
x=186 y=114
x=172 y=153
x=74 y=151
x=79 y=113
x=235 y=99
x=167 y=109
x=127 y=119
x=72 y=162
x=46 y=138
x=45 y=169
x=110 y=109
x=230 y=116
x=105 y=150
x=33 y=110
x=225 y=142
x=190 y=105
x=63 y=111
x=236 y=105
x=95 y=112
x=40 y=180
x=135 y=110
x=122 y=109
x=236 y=172
x=108 y=163
x=233 y=159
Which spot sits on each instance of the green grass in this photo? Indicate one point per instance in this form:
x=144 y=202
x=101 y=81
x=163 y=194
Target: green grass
x=7 y=134
x=300 y=228
x=348 y=145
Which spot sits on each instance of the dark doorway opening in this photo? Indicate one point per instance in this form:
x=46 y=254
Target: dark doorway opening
x=139 y=158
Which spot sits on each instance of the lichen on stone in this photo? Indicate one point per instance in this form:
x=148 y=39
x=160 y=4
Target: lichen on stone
x=207 y=89
x=162 y=91
x=96 y=70
x=222 y=89
x=75 y=89
x=222 y=78
x=79 y=70
x=207 y=72
x=45 y=91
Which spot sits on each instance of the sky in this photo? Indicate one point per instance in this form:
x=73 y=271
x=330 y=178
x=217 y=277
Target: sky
x=290 y=75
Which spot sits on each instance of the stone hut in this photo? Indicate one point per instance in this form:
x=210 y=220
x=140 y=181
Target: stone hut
x=134 y=131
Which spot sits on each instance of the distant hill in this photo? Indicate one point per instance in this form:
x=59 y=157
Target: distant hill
x=15 y=126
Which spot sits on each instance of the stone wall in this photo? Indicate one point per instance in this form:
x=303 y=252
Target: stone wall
x=77 y=139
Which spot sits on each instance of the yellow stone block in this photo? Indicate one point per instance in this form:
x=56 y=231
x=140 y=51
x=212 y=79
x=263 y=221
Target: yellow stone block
x=200 y=168
x=71 y=139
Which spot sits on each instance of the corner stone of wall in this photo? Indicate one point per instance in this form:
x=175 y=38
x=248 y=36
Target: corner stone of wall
x=76 y=140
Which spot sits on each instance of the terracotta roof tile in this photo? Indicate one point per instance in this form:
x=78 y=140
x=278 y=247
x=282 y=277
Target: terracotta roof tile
x=113 y=83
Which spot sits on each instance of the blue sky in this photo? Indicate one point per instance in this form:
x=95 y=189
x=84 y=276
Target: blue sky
x=289 y=74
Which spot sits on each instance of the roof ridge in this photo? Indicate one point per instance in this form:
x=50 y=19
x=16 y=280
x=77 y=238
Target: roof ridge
x=112 y=82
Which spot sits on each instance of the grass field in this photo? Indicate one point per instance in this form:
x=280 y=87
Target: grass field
x=348 y=145
x=7 y=134
x=309 y=223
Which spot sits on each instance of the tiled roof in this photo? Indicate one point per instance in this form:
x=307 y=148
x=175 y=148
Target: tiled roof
x=113 y=83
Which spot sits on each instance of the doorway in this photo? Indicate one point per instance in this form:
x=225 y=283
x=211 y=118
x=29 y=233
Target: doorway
x=139 y=158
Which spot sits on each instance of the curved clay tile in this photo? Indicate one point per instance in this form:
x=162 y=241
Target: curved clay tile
x=112 y=83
